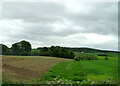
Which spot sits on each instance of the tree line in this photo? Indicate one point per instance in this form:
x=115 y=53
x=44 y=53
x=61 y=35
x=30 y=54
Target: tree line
x=24 y=48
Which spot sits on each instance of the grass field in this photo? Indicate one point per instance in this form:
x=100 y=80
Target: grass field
x=97 y=71
x=101 y=70
x=52 y=70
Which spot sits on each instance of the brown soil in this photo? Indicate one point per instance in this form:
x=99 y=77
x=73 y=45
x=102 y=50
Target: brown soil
x=24 y=69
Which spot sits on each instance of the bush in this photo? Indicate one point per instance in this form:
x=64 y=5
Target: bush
x=77 y=58
x=102 y=55
x=106 y=58
x=86 y=57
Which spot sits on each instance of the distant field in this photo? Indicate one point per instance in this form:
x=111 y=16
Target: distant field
x=20 y=68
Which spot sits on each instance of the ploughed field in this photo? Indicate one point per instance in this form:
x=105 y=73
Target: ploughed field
x=21 y=68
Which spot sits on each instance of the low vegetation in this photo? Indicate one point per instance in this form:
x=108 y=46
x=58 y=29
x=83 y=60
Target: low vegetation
x=86 y=57
x=106 y=58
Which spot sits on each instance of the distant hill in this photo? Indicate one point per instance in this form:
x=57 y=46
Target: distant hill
x=91 y=50
x=87 y=50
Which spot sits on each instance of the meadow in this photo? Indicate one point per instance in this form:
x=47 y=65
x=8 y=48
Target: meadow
x=86 y=71
x=53 y=70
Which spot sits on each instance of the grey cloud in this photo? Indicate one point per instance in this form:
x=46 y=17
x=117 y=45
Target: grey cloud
x=33 y=11
x=53 y=12
x=38 y=20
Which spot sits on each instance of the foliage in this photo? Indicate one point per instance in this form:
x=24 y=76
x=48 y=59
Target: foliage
x=21 y=48
x=56 y=51
x=102 y=55
x=85 y=57
x=35 y=52
x=5 y=49
x=106 y=58
x=77 y=58
x=61 y=52
x=90 y=50
x=24 y=48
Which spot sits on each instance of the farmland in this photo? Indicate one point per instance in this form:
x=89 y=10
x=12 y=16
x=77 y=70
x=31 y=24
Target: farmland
x=52 y=70
x=20 y=68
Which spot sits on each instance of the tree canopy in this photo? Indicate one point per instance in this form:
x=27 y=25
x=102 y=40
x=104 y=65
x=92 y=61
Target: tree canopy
x=4 y=48
x=24 y=48
x=21 y=48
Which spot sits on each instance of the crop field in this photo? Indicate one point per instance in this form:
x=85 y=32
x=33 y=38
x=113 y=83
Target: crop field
x=52 y=70
x=20 y=68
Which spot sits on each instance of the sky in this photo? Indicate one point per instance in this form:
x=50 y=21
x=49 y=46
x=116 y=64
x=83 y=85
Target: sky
x=69 y=24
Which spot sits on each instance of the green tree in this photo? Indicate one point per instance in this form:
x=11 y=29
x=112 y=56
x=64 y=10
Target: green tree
x=58 y=51
x=4 y=50
x=25 y=46
x=16 y=49
x=35 y=52
x=21 y=48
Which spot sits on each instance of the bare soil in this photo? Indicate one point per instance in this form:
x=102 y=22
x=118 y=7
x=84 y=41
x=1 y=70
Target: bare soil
x=22 y=68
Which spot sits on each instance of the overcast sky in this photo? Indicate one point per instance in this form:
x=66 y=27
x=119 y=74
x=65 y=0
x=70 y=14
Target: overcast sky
x=70 y=24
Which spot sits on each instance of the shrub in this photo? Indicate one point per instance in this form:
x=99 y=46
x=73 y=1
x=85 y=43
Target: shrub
x=102 y=55
x=86 y=57
x=106 y=58
x=77 y=58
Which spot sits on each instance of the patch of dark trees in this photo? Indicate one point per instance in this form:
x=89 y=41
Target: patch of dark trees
x=102 y=55
x=23 y=48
